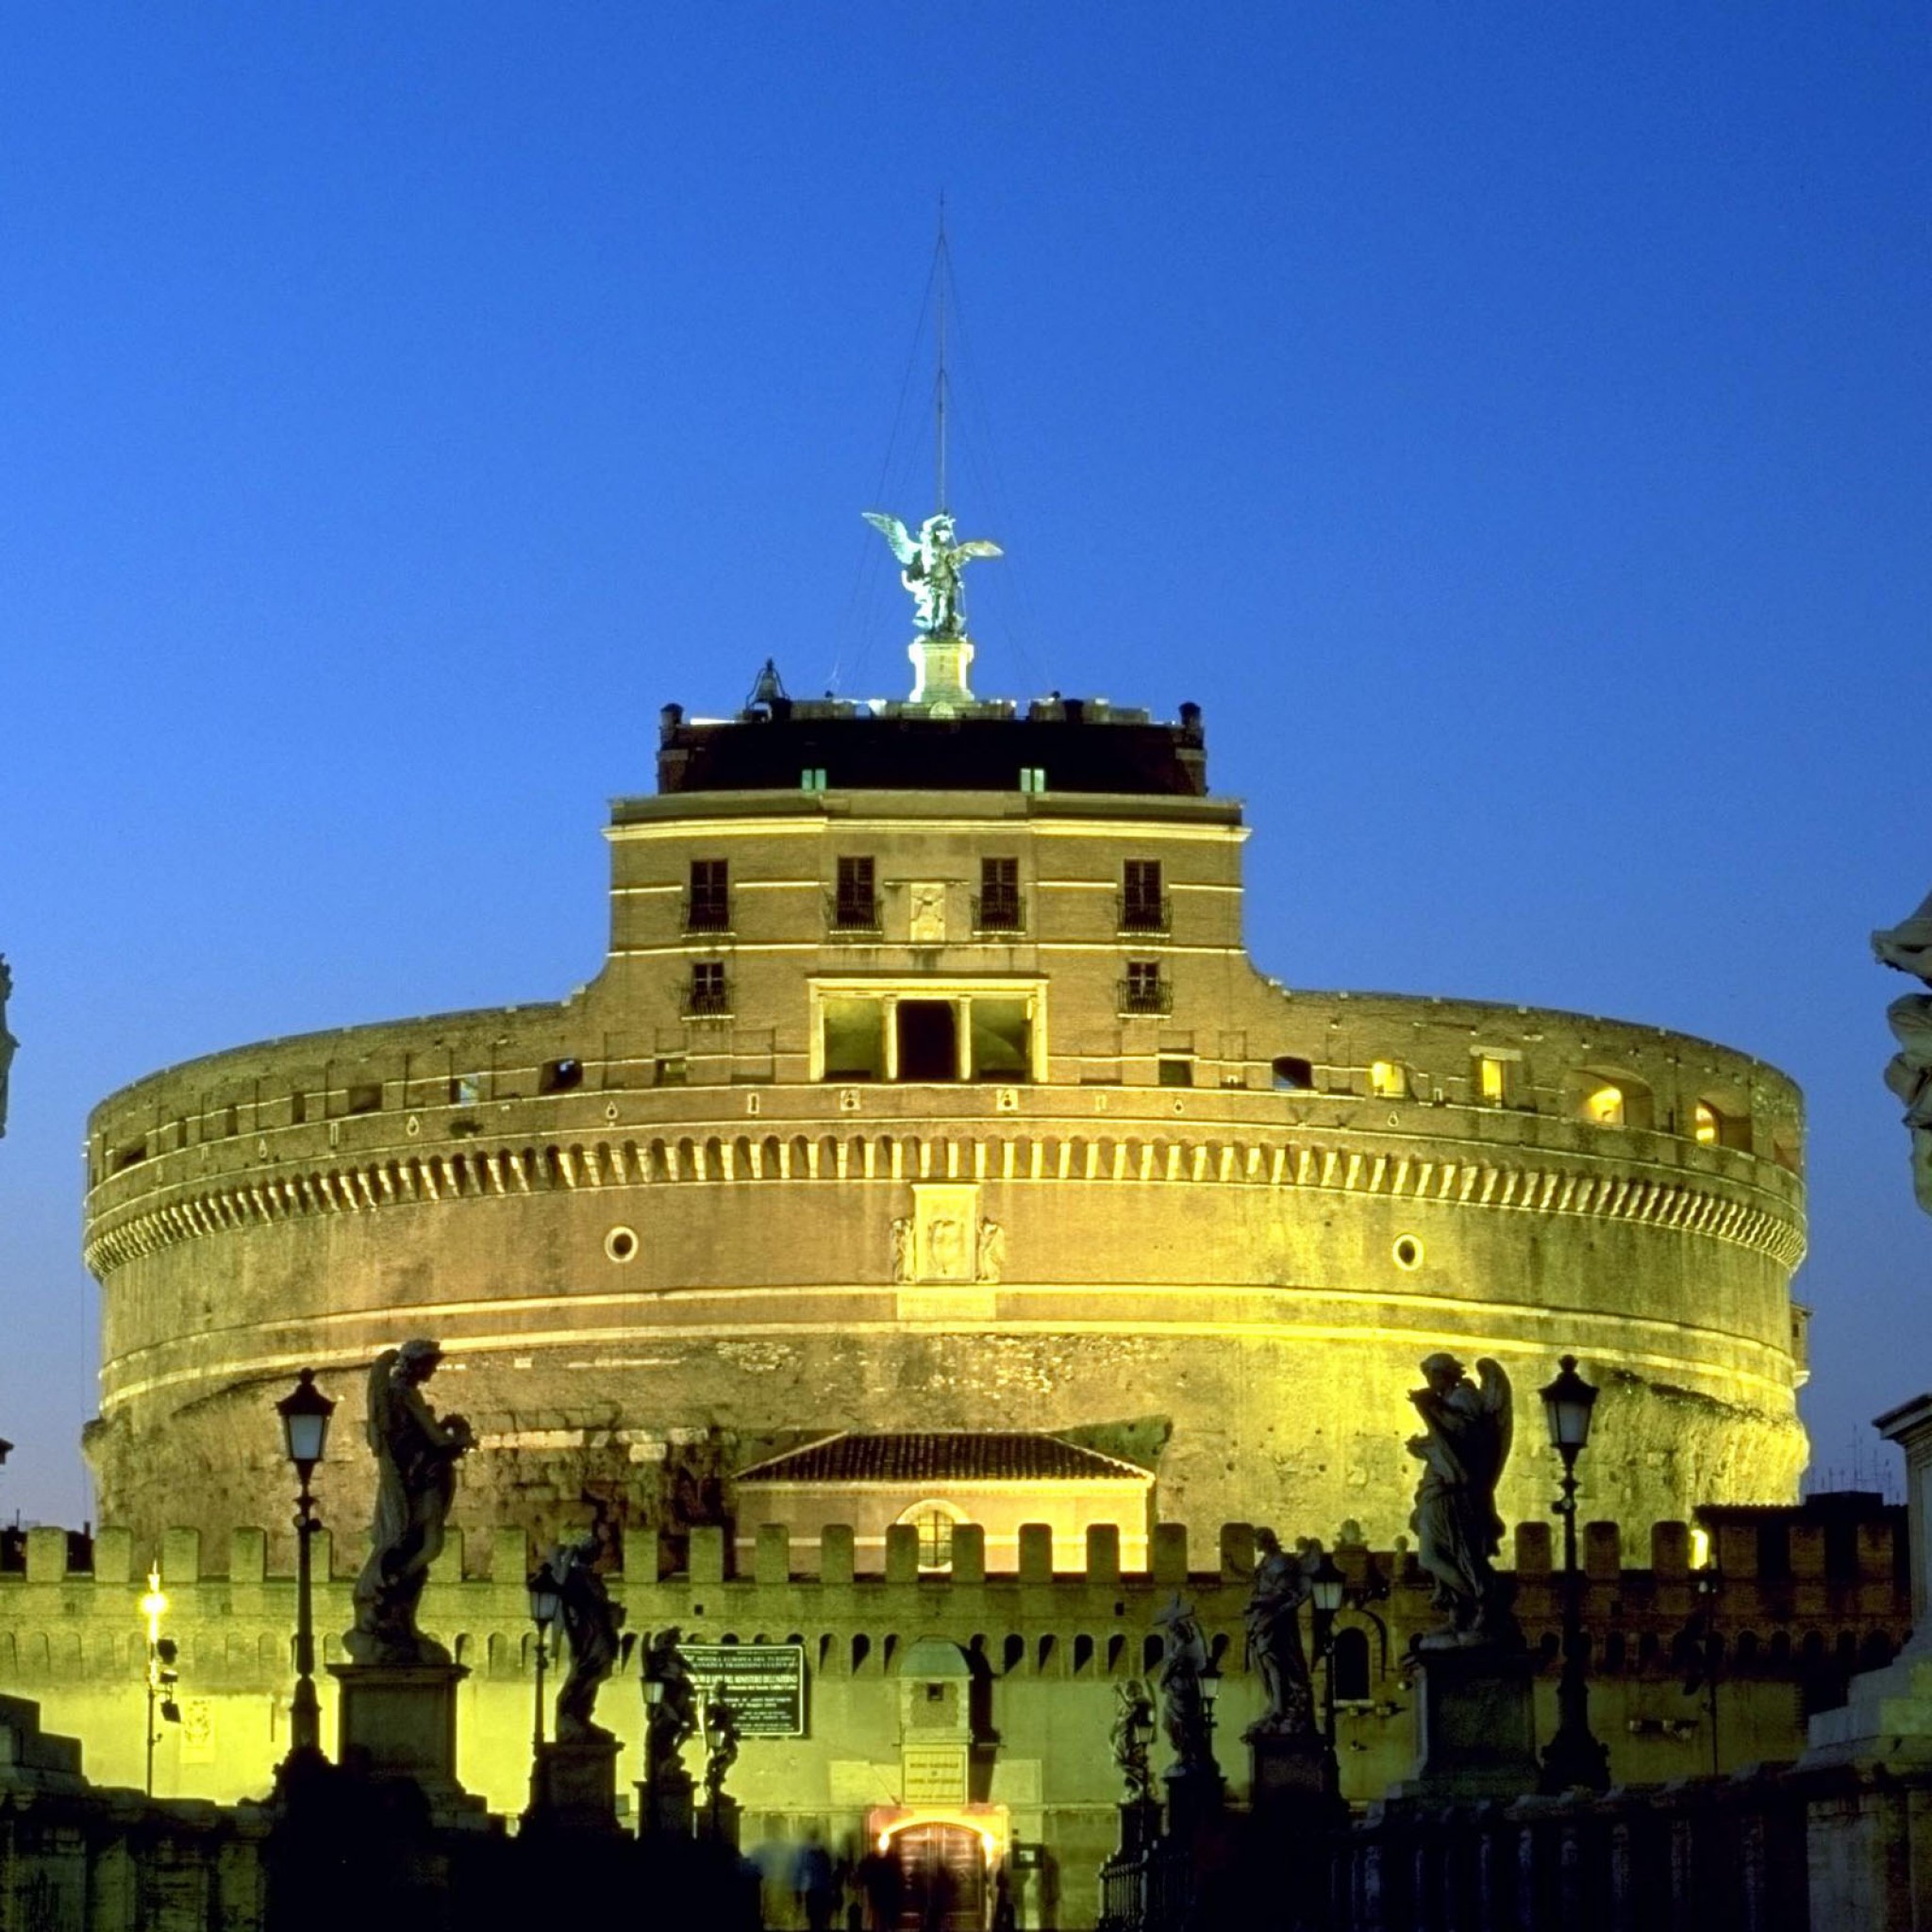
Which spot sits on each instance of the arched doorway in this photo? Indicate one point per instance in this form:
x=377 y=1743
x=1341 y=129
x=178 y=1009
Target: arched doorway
x=943 y=1867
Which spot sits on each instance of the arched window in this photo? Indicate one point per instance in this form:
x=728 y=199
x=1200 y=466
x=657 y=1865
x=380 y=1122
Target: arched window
x=1603 y=1107
x=1704 y=1125
x=934 y=1520
x=1294 y=1075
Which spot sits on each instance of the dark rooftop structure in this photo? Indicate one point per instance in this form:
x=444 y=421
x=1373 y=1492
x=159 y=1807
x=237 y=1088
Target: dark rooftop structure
x=941 y=1457
x=1060 y=745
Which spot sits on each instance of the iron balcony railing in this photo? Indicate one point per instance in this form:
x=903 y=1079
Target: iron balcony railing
x=853 y=913
x=706 y=1001
x=1146 y=996
x=706 y=914
x=999 y=913
x=1146 y=912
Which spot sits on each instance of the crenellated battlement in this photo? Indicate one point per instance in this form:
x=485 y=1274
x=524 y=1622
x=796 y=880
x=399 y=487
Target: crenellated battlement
x=1842 y=1586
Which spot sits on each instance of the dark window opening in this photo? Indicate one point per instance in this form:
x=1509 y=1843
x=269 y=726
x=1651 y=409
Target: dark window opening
x=855 y=906
x=559 y=1076
x=928 y=1041
x=1841 y=1551
x=708 y=992
x=1176 y=1070
x=298 y=1109
x=670 y=1070
x=997 y=908
x=1774 y=1552
x=365 y=1099
x=1143 y=905
x=465 y=1089
x=707 y=904
x=1294 y=1075
x=1143 y=991
x=1349 y=1661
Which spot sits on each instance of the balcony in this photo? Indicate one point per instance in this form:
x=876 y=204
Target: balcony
x=1146 y=912
x=1146 y=996
x=706 y=914
x=706 y=1001
x=853 y=913
x=999 y=913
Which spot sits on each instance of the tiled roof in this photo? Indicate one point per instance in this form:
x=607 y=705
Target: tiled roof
x=940 y=1458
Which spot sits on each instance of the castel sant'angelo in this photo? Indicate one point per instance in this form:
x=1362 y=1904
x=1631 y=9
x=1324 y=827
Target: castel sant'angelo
x=929 y=1149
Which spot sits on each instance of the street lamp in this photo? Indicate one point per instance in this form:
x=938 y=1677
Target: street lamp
x=1709 y=1581
x=305 y=1413
x=1327 y=1589
x=161 y=1675
x=1574 y=1757
x=546 y=1602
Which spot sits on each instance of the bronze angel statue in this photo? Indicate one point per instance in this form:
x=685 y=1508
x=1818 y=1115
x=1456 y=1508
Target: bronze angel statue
x=1465 y=1443
x=930 y=566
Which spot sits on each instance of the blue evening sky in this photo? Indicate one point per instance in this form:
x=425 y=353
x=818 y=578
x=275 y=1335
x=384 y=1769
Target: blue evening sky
x=1513 y=426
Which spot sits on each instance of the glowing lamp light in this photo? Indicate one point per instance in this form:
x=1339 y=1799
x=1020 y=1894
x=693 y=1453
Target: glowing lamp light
x=1327 y=1586
x=1567 y=1405
x=305 y=1414
x=154 y=1606
x=546 y=1602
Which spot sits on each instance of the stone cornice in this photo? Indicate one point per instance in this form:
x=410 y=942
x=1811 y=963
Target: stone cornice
x=1542 y=1183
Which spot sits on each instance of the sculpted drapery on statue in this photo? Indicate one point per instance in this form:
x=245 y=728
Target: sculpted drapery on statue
x=930 y=567
x=416 y=1460
x=1273 y=1618
x=1908 y=947
x=1183 y=1701
x=1462 y=1450
x=591 y=1625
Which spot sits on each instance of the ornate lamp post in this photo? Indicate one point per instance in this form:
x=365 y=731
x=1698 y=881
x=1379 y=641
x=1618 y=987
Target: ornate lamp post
x=546 y=1602
x=1574 y=1757
x=305 y=1412
x=1709 y=1582
x=1327 y=1590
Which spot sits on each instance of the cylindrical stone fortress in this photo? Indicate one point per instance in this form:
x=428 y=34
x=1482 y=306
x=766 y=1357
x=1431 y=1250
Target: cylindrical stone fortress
x=928 y=1086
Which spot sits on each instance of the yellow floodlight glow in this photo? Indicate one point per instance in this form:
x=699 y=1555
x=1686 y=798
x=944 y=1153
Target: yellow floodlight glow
x=154 y=1606
x=1605 y=1106
x=990 y=1842
x=1491 y=1071
x=1704 y=1125
x=1388 y=1080
x=1700 y=1549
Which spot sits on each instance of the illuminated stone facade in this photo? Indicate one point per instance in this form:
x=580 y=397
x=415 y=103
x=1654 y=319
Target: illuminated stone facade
x=928 y=1085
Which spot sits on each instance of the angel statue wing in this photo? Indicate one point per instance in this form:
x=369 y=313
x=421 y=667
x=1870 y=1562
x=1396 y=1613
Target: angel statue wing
x=978 y=546
x=905 y=546
x=376 y=1423
x=1499 y=1404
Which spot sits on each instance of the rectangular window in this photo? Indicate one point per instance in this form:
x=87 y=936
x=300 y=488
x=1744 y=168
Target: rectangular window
x=998 y=905
x=298 y=1109
x=1176 y=1070
x=1493 y=1079
x=465 y=1089
x=559 y=1076
x=1143 y=991
x=363 y=1099
x=1032 y=777
x=1143 y=905
x=1387 y=1080
x=708 y=995
x=670 y=1070
x=707 y=904
x=812 y=778
x=855 y=906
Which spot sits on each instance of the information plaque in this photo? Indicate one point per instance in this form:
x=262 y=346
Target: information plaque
x=763 y=1683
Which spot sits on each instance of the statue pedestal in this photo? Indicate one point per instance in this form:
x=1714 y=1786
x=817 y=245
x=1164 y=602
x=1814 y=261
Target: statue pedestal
x=665 y=1805
x=718 y=1821
x=1289 y=1768
x=1195 y=1798
x=573 y=1787
x=1476 y=1725
x=397 y=1724
x=1140 y=1827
